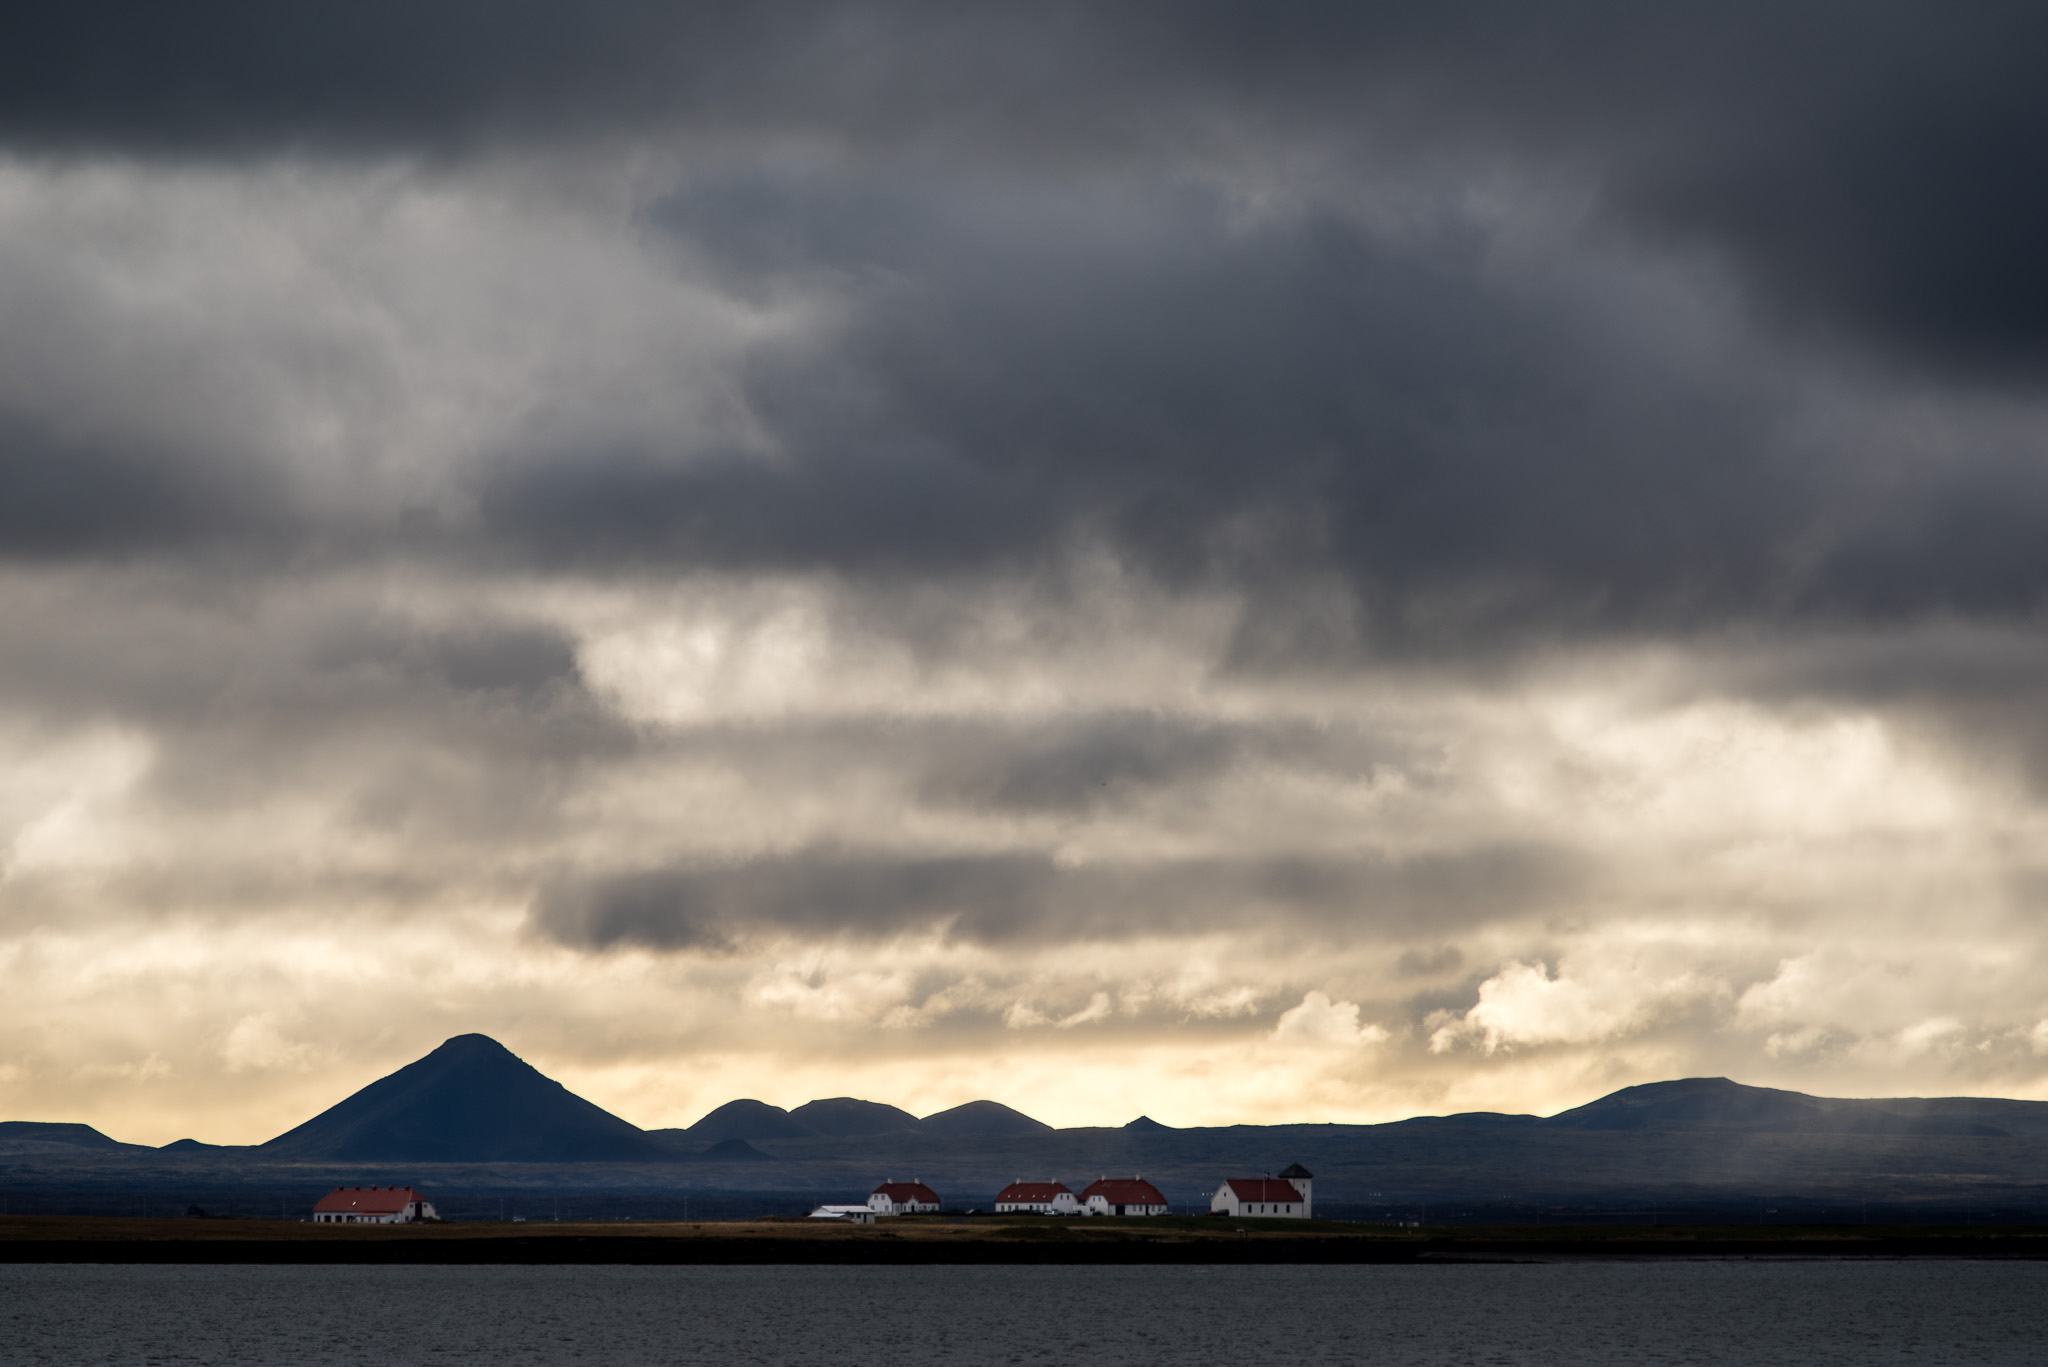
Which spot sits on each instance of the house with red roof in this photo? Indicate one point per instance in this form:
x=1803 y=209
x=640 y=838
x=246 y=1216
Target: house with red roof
x=1038 y=1198
x=373 y=1206
x=1277 y=1197
x=1123 y=1196
x=902 y=1198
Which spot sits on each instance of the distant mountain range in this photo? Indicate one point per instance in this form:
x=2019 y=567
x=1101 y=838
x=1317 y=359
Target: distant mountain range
x=845 y=1117
x=474 y=1100
x=475 y=1112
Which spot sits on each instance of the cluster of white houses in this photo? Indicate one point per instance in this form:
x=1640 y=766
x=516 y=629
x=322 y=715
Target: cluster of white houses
x=1291 y=1195
x=1105 y=1196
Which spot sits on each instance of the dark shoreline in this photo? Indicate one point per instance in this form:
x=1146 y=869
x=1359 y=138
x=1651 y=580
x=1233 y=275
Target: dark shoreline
x=716 y=1253
x=90 y=1241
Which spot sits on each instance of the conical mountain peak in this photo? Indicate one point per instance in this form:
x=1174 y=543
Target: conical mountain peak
x=470 y=1100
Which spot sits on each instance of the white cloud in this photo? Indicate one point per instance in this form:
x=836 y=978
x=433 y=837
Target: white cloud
x=1021 y=1015
x=1319 y=1020
x=1606 y=998
x=258 y=1042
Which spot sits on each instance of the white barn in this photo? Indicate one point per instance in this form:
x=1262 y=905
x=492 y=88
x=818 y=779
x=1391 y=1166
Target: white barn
x=373 y=1206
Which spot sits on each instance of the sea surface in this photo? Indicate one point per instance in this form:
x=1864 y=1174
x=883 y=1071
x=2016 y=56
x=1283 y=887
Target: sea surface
x=1586 y=1314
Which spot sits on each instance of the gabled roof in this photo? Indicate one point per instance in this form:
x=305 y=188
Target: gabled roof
x=1125 y=1191
x=901 y=1193
x=1262 y=1189
x=1294 y=1170
x=1032 y=1191
x=368 y=1200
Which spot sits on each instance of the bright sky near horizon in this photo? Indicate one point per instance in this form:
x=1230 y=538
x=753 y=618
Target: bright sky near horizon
x=1232 y=562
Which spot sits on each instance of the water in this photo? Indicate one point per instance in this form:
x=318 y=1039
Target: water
x=1586 y=1315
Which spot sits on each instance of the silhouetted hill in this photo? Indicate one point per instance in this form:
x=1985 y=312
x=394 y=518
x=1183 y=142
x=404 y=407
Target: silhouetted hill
x=1144 y=1123
x=192 y=1146
x=734 y=1151
x=471 y=1100
x=1705 y=1104
x=57 y=1132
x=747 y=1120
x=983 y=1117
x=845 y=1116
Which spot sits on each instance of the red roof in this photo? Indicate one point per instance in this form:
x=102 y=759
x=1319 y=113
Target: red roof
x=1263 y=1189
x=368 y=1200
x=1031 y=1191
x=902 y=1193
x=1125 y=1191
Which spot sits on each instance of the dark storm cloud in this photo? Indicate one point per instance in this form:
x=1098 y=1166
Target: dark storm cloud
x=1036 y=366
x=453 y=736
x=64 y=496
x=480 y=730
x=240 y=75
x=1093 y=762
x=1876 y=167
x=1014 y=897
x=1057 y=320
x=175 y=654
x=1064 y=766
x=1024 y=366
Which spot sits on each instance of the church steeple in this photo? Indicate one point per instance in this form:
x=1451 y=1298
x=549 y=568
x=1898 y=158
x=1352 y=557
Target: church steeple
x=1302 y=1180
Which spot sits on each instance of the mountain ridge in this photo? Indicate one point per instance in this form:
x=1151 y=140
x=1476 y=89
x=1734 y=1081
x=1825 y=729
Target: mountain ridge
x=472 y=1099
x=472 y=1116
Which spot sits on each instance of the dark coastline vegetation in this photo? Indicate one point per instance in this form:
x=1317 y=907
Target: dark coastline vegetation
x=970 y=1240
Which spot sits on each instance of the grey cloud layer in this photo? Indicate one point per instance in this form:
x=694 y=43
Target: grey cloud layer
x=1091 y=314
x=1870 y=166
x=66 y=497
x=1029 y=899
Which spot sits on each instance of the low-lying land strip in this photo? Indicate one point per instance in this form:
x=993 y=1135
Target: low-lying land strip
x=941 y=1239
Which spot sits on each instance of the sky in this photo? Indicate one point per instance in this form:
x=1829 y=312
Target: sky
x=1242 y=563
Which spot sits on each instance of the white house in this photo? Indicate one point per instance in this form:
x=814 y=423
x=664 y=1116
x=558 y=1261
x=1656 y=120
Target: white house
x=902 y=1198
x=1123 y=1196
x=1041 y=1198
x=373 y=1206
x=1259 y=1196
